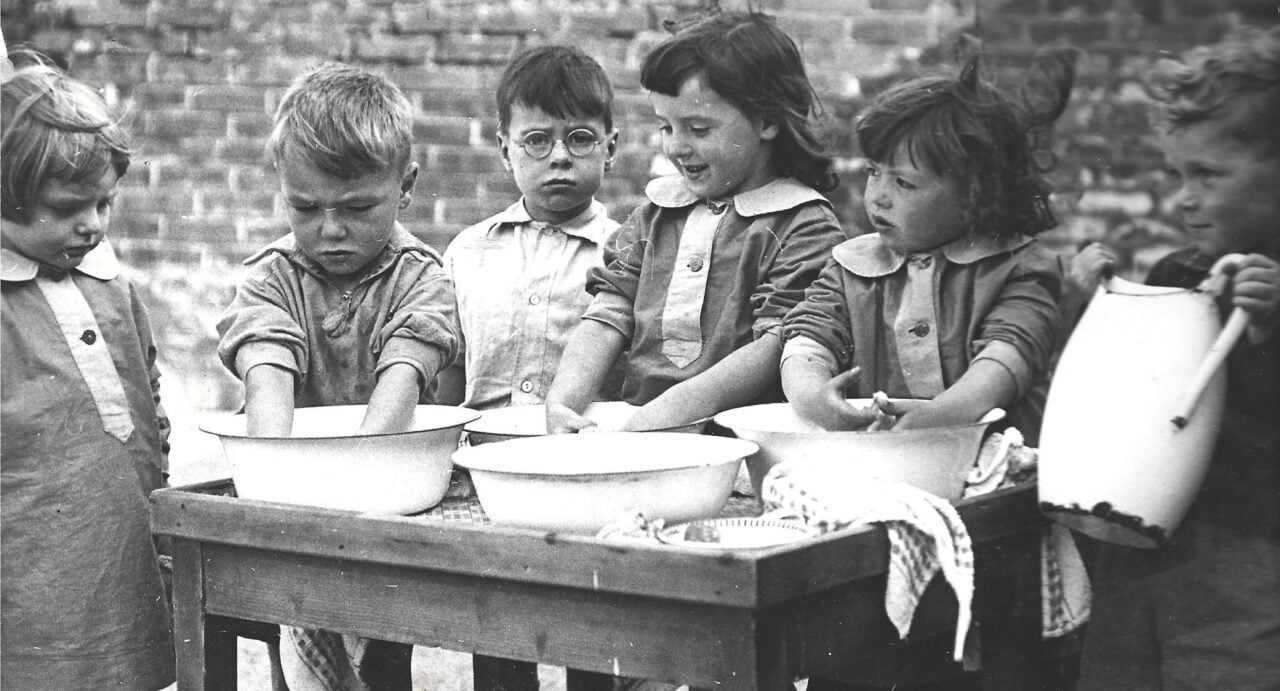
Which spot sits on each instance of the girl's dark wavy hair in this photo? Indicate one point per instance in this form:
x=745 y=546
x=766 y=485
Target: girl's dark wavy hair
x=994 y=145
x=751 y=63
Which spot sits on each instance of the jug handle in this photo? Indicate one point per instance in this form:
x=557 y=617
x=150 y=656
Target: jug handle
x=1221 y=347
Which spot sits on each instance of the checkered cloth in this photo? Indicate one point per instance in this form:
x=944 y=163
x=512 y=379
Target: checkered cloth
x=319 y=660
x=926 y=534
x=1065 y=592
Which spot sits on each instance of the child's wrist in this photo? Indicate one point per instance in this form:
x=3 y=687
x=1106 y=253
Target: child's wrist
x=1260 y=330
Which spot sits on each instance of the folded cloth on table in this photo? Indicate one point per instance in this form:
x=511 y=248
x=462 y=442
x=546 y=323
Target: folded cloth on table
x=1066 y=594
x=926 y=534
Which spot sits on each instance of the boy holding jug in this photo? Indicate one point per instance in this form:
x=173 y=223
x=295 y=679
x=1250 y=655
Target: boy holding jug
x=1203 y=611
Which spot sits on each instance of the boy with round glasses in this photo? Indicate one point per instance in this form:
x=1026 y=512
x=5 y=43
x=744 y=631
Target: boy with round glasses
x=556 y=136
x=520 y=276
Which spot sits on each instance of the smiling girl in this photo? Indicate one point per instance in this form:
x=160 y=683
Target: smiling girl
x=697 y=280
x=950 y=304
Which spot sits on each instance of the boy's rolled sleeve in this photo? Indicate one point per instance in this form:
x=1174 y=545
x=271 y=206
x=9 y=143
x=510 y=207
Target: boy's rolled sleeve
x=254 y=353
x=422 y=328
x=803 y=253
x=1025 y=316
x=258 y=329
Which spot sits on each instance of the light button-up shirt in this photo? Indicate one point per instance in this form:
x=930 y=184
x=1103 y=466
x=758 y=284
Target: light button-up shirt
x=521 y=287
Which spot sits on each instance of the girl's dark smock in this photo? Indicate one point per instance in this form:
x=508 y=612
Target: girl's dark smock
x=769 y=245
x=984 y=291
x=83 y=602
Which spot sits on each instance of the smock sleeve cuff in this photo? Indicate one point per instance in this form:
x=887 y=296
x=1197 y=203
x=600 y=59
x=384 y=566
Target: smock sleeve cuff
x=768 y=325
x=614 y=310
x=1008 y=357
x=811 y=349
x=256 y=353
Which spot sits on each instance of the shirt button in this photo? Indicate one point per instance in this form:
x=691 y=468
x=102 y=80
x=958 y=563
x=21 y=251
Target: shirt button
x=89 y=337
x=534 y=299
x=921 y=329
x=526 y=386
x=695 y=264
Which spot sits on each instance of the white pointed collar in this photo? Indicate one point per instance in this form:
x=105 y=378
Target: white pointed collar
x=100 y=263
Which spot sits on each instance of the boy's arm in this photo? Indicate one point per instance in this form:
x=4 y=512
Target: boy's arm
x=423 y=330
x=451 y=382
x=590 y=353
x=737 y=380
x=263 y=344
x=268 y=401
x=393 y=400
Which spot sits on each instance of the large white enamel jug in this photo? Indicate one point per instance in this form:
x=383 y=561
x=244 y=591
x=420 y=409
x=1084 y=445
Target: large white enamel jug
x=1121 y=455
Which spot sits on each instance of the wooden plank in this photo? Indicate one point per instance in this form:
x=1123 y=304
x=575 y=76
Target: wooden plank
x=745 y=578
x=479 y=550
x=1001 y=513
x=591 y=630
x=206 y=654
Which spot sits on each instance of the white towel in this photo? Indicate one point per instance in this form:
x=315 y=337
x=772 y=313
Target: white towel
x=926 y=534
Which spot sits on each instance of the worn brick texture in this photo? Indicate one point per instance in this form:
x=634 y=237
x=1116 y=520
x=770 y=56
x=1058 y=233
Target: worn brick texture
x=199 y=79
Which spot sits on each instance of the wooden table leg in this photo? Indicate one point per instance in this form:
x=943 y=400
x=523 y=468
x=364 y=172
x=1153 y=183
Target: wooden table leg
x=205 y=650
x=1007 y=608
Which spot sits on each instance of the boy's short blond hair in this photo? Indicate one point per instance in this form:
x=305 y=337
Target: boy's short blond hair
x=1235 y=81
x=346 y=121
x=54 y=127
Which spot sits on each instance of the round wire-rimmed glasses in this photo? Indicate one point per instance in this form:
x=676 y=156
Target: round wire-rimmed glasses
x=578 y=142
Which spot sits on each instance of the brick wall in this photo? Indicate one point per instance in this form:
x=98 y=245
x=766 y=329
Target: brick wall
x=200 y=78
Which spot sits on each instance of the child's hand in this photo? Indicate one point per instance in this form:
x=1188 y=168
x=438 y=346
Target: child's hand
x=829 y=408
x=923 y=414
x=1255 y=288
x=561 y=419
x=1093 y=263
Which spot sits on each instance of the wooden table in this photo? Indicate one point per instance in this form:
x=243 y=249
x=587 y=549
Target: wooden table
x=751 y=619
